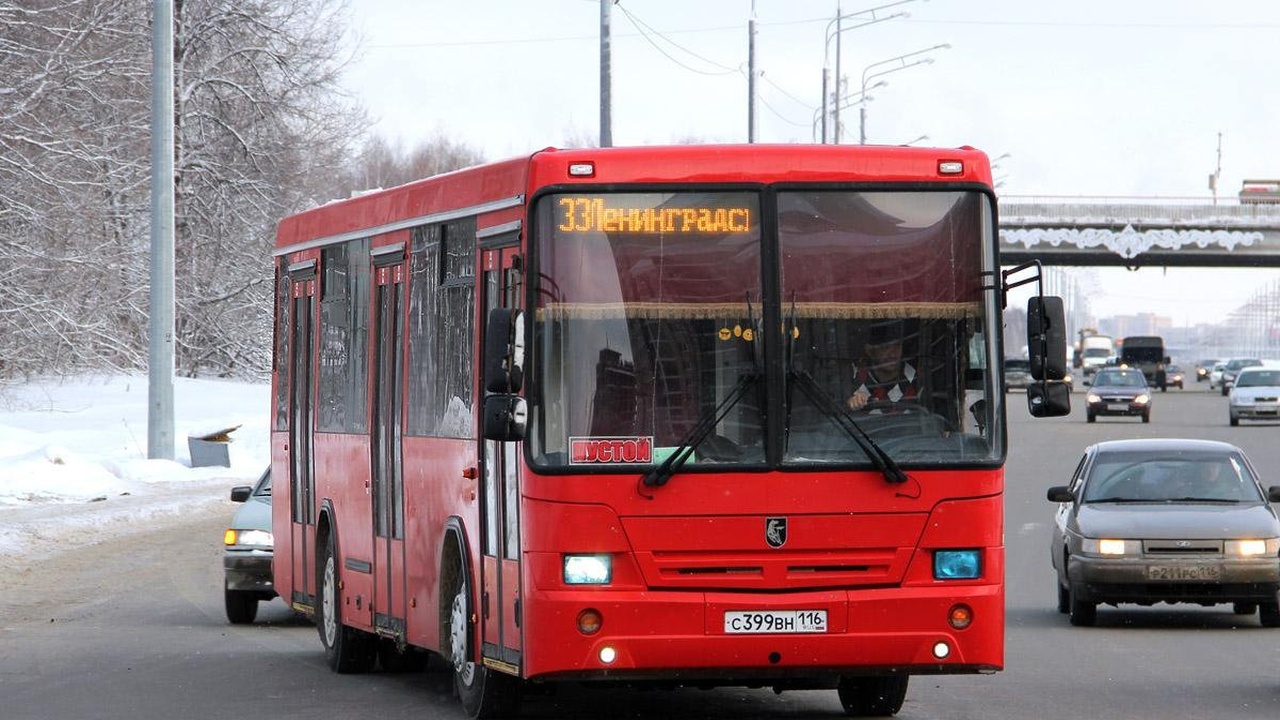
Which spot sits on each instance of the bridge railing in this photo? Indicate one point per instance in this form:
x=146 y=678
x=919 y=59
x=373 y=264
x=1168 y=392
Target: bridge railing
x=1074 y=211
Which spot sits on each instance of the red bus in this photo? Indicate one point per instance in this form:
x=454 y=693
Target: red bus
x=585 y=416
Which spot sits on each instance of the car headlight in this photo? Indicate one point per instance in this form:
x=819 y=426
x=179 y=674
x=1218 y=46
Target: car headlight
x=251 y=538
x=1109 y=547
x=1269 y=547
x=1142 y=399
x=1241 y=399
x=1093 y=398
x=588 y=569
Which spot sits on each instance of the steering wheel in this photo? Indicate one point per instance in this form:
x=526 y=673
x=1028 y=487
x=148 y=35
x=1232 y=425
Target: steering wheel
x=892 y=407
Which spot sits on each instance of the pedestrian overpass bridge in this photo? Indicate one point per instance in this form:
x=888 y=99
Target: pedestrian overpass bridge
x=1139 y=232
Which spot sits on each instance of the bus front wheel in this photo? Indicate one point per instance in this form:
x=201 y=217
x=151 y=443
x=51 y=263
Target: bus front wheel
x=484 y=693
x=346 y=650
x=876 y=696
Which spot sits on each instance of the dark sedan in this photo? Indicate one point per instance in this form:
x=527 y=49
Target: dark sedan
x=1166 y=520
x=1118 y=391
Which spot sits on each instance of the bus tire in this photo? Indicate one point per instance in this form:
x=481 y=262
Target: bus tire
x=484 y=693
x=346 y=650
x=875 y=696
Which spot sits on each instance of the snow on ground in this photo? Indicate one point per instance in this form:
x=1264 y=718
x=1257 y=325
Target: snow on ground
x=74 y=467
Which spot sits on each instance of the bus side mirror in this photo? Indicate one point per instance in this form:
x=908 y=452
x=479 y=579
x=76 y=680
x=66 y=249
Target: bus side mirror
x=506 y=418
x=1049 y=398
x=504 y=351
x=1047 y=337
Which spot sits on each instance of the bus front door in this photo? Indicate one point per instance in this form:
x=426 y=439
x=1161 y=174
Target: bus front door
x=500 y=496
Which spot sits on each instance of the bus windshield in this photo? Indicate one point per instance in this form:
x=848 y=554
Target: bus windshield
x=648 y=317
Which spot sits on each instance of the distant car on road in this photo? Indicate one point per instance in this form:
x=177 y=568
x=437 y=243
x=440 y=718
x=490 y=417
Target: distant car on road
x=248 y=551
x=1118 y=391
x=1017 y=373
x=1255 y=395
x=1165 y=520
x=1174 y=377
x=1231 y=368
x=1204 y=367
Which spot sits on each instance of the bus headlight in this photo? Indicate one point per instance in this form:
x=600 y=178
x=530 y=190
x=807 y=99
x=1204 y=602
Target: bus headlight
x=956 y=565
x=588 y=569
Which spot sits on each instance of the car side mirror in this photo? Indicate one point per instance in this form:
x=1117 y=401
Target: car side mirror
x=1273 y=493
x=241 y=493
x=1059 y=494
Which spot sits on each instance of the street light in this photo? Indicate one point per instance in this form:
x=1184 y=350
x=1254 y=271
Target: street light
x=860 y=96
x=901 y=64
x=834 y=28
x=997 y=181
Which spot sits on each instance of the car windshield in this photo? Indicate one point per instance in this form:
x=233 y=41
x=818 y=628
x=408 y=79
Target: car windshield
x=1143 y=477
x=1237 y=364
x=1259 y=378
x=1121 y=379
x=263 y=487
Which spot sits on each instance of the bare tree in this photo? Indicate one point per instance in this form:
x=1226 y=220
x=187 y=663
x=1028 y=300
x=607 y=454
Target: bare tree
x=72 y=97
x=383 y=164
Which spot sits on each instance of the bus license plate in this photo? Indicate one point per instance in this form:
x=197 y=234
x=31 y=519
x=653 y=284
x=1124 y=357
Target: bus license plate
x=775 y=621
x=1176 y=573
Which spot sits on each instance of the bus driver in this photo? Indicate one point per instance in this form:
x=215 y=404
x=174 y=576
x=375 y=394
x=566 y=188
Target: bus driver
x=884 y=378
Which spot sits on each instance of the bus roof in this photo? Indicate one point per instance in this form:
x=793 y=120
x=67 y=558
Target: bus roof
x=507 y=183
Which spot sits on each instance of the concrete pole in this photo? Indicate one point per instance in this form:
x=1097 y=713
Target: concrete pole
x=606 y=98
x=160 y=358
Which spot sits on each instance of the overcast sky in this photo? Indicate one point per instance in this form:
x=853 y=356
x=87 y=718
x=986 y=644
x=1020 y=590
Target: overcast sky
x=1086 y=98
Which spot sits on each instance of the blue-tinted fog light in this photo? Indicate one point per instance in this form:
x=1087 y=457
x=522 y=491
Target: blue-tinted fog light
x=956 y=565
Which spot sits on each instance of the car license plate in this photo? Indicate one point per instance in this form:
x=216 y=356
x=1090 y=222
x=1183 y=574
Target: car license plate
x=775 y=621
x=1118 y=406
x=1175 y=573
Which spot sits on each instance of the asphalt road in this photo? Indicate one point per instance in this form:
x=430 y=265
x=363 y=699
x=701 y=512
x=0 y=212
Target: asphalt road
x=135 y=629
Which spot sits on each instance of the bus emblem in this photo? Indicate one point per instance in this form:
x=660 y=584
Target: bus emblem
x=775 y=531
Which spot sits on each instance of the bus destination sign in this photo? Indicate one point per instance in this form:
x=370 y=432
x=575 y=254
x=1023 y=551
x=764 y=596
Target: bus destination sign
x=596 y=213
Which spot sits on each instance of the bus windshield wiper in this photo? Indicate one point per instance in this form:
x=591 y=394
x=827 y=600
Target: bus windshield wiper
x=659 y=476
x=838 y=413
x=834 y=410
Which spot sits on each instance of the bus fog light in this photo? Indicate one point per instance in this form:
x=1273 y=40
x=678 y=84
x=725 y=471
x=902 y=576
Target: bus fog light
x=608 y=655
x=589 y=621
x=941 y=650
x=960 y=616
x=956 y=565
x=587 y=569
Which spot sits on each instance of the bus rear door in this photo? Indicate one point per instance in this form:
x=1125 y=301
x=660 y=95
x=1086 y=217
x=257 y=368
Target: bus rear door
x=389 y=586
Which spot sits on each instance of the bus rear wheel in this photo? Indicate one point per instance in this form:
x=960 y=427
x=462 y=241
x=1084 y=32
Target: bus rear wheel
x=346 y=650
x=876 y=696
x=484 y=693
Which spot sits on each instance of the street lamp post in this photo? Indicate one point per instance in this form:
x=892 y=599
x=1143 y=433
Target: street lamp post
x=899 y=63
x=834 y=29
x=860 y=96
